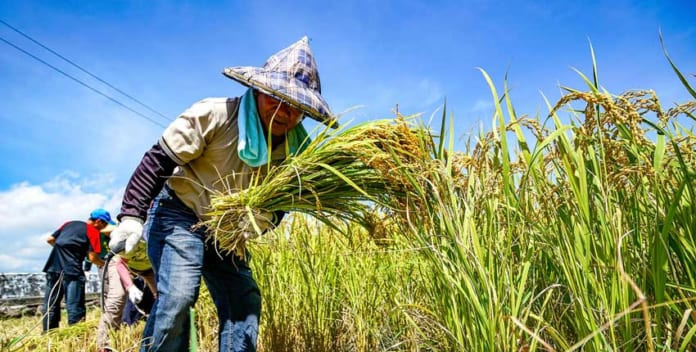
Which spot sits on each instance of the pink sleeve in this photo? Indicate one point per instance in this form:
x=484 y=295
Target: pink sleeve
x=123 y=273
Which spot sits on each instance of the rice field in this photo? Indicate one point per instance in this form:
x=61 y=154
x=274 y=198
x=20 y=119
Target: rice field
x=573 y=231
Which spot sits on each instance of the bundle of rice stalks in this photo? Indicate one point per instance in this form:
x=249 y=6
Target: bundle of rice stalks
x=338 y=177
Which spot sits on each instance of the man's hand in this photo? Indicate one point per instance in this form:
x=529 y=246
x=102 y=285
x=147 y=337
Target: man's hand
x=128 y=234
x=94 y=258
x=135 y=295
x=258 y=225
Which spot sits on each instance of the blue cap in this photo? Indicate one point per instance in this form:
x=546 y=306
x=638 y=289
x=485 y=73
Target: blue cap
x=101 y=214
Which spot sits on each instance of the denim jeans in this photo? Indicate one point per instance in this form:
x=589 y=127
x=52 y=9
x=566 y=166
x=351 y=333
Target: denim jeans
x=57 y=286
x=180 y=255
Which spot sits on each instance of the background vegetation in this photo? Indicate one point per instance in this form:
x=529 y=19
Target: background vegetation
x=572 y=231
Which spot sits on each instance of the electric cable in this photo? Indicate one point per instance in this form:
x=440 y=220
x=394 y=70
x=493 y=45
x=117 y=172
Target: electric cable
x=85 y=71
x=82 y=83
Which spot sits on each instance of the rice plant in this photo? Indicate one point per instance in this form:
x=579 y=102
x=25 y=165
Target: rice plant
x=569 y=231
x=580 y=239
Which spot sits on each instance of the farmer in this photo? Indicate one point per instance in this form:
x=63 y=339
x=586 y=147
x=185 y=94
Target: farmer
x=134 y=312
x=64 y=276
x=118 y=285
x=215 y=146
x=104 y=236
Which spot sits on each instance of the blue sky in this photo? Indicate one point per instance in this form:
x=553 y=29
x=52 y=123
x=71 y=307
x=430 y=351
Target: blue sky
x=67 y=150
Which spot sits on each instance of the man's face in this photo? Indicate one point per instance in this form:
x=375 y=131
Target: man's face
x=276 y=116
x=100 y=224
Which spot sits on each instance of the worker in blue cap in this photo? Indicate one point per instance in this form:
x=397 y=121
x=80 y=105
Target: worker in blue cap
x=71 y=242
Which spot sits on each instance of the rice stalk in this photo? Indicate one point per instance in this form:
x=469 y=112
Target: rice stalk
x=339 y=177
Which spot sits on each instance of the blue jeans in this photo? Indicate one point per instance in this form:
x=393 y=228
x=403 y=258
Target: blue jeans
x=180 y=255
x=57 y=286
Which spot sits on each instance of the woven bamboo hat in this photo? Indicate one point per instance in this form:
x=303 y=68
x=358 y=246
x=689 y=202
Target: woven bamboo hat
x=290 y=75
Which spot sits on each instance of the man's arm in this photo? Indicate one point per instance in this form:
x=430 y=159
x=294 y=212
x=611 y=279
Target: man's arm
x=146 y=182
x=144 y=185
x=123 y=272
x=182 y=141
x=94 y=258
x=52 y=237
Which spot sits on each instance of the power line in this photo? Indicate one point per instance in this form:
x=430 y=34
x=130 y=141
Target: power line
x=85 y=70
x=82 y=83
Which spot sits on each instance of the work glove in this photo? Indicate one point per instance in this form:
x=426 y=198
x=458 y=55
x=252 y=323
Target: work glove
x=135 y=295
x=261 y=222
x=130 y=231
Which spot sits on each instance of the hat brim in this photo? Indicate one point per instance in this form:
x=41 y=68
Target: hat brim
x=313 y=105
x=109 y=228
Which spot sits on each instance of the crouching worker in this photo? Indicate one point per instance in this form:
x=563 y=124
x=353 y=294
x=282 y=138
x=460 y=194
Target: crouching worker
x=217 y=144
x=132 y=313
x=118 y=286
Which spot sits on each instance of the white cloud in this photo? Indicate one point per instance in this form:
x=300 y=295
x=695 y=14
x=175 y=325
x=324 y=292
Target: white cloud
x=12 y=264
x=482 y=105
x=430 y=92
x=29 y=213
x=412 y=94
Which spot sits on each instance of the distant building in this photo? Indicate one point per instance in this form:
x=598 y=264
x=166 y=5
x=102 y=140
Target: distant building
x=23 y=285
